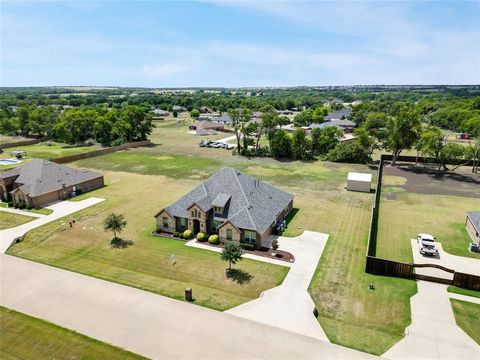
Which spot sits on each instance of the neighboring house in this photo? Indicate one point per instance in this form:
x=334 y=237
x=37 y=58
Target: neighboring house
x=231 y=204
x=284 y=112
x=222 y=119
x=473 y=225
x=178 y=109
x=205 y=110
x=257 y=116
x=338 y=114
x=345 y=125
x=204 y=126
x=40 y=182
x=160 y=112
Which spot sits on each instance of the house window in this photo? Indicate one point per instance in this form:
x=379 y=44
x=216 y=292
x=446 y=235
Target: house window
x=193 y=213
x=183 y=222
x=218 y=210
x=165 y=222
x=250 y=236
x=229 y=234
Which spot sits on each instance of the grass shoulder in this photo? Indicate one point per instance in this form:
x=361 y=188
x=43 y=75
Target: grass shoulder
x=467 y=317
x=461 y=291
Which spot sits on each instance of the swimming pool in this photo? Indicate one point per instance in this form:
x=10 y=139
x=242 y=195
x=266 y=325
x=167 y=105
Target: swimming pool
x=12 y=161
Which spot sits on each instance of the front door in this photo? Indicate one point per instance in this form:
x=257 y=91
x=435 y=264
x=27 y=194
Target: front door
x=196 y=226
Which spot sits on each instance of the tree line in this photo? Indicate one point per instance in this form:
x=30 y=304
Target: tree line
x=102 y=125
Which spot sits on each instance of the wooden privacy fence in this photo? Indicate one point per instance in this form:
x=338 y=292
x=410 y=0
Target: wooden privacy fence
x=22 y=143
x=89 y=154
x=379 y=266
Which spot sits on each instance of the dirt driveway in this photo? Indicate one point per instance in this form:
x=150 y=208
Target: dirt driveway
x=425 y=180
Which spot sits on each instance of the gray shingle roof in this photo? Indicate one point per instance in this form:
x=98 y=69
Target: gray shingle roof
x=474 y=217
x=338 y=114
x=225 y=118
x=40 y=176
x=253 y=204
x=221 y=200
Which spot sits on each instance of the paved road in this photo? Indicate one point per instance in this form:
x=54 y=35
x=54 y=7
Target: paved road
x=60 y=209
x=453 y=262
x=148 y=324
x=433 y=333
x=289 y=306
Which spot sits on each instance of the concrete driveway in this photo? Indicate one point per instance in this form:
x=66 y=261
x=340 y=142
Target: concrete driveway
x=458 y=263
x=148 y=324
x=60 y=209
x=433 y=333
x=289 y=306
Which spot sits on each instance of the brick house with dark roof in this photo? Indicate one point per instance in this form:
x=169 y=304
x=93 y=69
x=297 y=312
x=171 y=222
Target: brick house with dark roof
x=233 y=205
x=40 y=182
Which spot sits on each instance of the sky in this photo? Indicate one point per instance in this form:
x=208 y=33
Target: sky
x=238 y=44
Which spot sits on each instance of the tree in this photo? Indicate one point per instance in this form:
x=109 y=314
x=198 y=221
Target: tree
x=281 y=146
x=232 y=252
x=452 y=153
x=401 y=132
x=269 y=123
x=194 y=113
x=240 y=117
x=114 y=222
x=431 y=142
x=301 y=145
x=325 y=139
x=350 y=152
x=305 y=118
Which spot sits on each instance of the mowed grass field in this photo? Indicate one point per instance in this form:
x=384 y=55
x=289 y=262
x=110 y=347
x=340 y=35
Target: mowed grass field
x=10 y=220
x=147 y=264
x=467 y=316
x=26 y=337
x=142 y=181
x=404 y=215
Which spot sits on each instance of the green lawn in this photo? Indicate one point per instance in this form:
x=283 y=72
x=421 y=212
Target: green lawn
x=350 y=313
x=142 y=181
x=147 y=263
x=467 y=316
x=10 y=220
x=461 y=291
x=49 y=150
x=404 y=215
x=26 y=337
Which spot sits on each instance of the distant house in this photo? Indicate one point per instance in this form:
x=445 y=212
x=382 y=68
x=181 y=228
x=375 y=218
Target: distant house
x=204 y=127
x=257 y=117
x=205 y=110
x=160 y=112
x=233 y=205
x=40 y=182
x=473 y=226
x=338 y=114
x=284 y=112
x=223 y=119
x=345 y=125
x=178 y=109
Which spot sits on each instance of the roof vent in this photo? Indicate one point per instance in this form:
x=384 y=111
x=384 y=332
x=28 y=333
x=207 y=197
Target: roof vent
x=84 y=170
x=39 y=180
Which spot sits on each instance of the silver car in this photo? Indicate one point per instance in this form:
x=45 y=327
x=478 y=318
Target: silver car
x=427 y=244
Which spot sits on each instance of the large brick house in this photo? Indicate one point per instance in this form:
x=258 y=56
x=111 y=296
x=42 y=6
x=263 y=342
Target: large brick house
x=40 y=182
x=233 y=205
x=473 y=225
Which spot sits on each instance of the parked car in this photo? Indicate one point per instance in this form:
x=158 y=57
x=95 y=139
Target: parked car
x=216 y=145
x=202 y=143
x=209 y=144
x=427 y=244
x=229 y=146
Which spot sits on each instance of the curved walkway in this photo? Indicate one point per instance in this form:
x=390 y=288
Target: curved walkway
x=148 y=324
x=289 y=306
x=21 y=212
x=60 y=209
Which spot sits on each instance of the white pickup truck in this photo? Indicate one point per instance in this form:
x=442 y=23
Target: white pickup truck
x=427 y=244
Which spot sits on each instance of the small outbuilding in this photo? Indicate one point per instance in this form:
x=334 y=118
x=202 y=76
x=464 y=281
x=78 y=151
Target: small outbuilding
x=359 y=182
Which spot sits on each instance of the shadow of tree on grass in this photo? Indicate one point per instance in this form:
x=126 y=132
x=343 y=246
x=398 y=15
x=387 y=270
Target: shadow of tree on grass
x=239 y=276
x=119 y=243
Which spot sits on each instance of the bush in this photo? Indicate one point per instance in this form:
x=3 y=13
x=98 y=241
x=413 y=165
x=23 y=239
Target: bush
x=176 y=234
x=187 y=234
x=213 y=239
x=275 y=244
x=247 y=246
x=201 y=237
